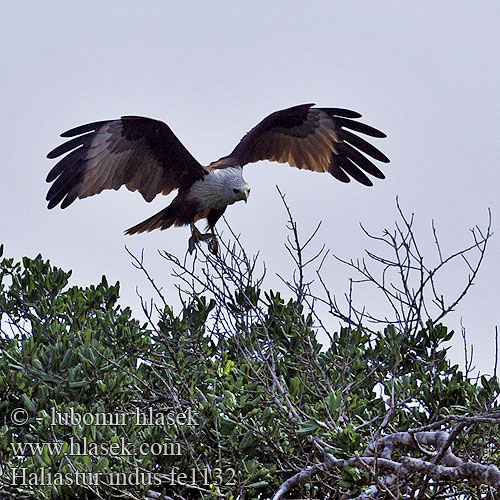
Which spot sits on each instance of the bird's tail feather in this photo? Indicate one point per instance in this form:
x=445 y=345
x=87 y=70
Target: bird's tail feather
x=161 y=220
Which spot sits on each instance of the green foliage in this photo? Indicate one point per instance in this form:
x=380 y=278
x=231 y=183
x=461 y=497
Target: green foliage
x=260 y=397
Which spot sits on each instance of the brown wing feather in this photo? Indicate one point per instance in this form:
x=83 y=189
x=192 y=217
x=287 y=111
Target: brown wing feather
x=140 y=153
x=313 y=139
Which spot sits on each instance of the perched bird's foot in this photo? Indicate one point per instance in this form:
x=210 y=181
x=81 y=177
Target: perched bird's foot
x=191 y=244
x=211 y=240
x=196 y=237
x=206 y=236
x=213 y=244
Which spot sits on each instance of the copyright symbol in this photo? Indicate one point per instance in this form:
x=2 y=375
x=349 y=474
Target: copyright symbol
x=19 y=416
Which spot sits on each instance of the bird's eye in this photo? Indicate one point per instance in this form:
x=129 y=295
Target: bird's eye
x=235 y=191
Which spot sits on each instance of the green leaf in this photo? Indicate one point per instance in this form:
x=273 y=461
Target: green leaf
x=28 y=403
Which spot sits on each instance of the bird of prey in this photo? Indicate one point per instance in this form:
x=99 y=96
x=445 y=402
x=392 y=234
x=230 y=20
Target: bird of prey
x=145 y=155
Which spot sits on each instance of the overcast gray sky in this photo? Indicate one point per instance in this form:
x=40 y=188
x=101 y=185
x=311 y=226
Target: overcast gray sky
x=426 y=73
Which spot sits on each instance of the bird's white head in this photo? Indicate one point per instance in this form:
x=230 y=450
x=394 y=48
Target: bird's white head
x=234 y=187
x=220 y=188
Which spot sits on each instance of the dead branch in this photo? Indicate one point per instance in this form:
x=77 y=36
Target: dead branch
x=444 y=466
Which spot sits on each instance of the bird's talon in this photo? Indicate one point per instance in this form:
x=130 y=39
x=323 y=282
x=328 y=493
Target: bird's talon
x=191 y=245
x=196 y=235
x=206 y=237
x=213 y=245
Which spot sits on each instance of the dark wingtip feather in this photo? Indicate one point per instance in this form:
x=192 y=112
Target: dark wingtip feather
x=81 y=129
x=338 y=173
x=345 y=113
x=67 y=198
x=67 y=146
x=342 y=164
x=360 y=127
x=70 y=198
x=54 y=199
x=359 y=176
x=360 y=160
x=51 y=176
x=65 y=186
x=364 y=146
x=53 y=154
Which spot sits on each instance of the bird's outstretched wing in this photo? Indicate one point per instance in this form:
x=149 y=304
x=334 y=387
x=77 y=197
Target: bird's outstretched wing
x=140 y=153
x=318 y=139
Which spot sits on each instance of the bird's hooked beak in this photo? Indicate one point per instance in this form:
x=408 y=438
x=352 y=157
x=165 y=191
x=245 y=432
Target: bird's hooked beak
x=245 y=193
